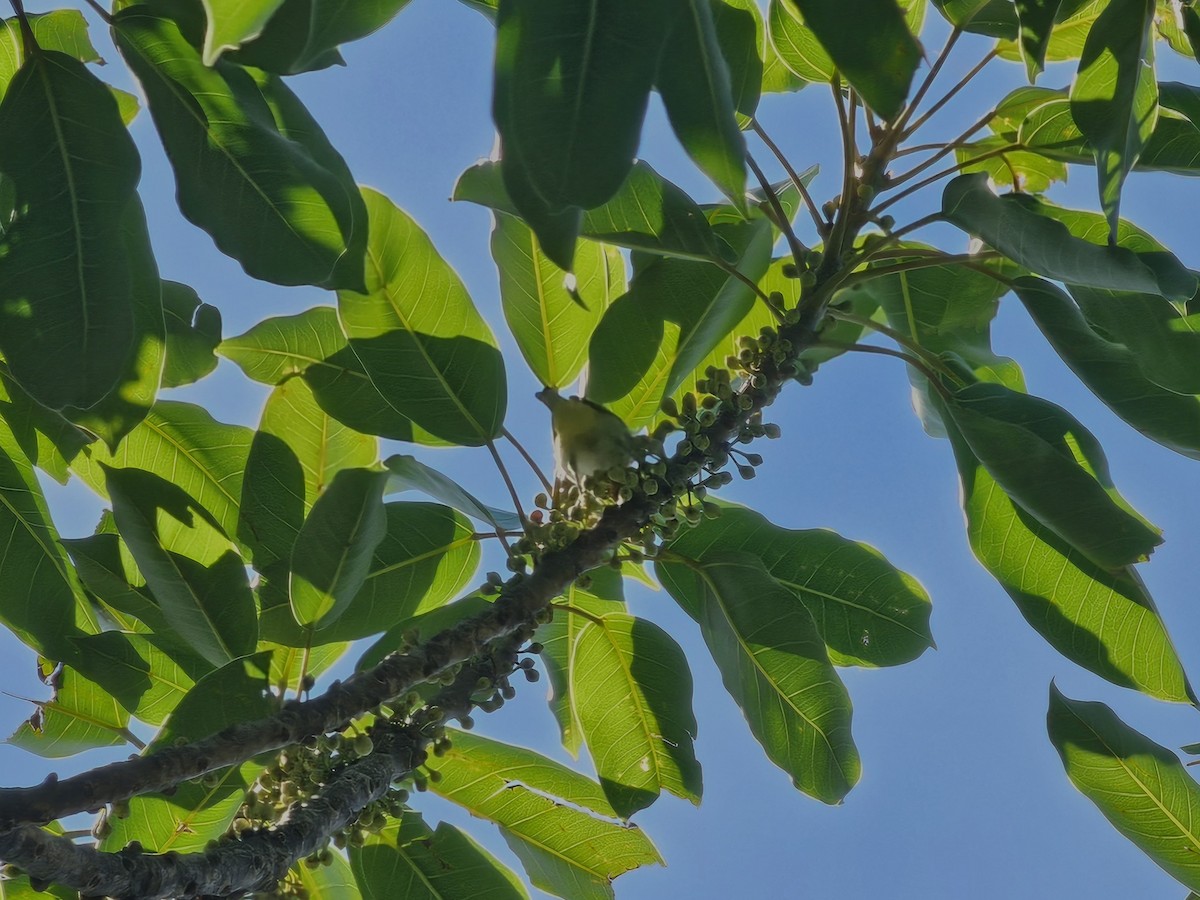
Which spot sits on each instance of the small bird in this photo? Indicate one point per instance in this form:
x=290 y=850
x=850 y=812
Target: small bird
x=588 y=439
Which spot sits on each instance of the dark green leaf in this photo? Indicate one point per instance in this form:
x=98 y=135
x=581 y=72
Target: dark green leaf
x=694 y=82
x=740 y=36
x=252 y=167
x=1054 y=468
x=572 y=83
x=1073 y=23
x=879 y=61
x=868 y=613
x=774 y=664
x=41 y=600
x=1024 y=170
x=296 y=452
x=1104 y=621
x=1023 y=232
x=408 y=860
x=1114 y=99
x=632 y=693
x=334 y=548
x=410 y=474
x=558 y=823
x=1112 y=371
x=675 y=314
x=45 y=437
x=419 y=336
x=550 y=326
x=193 y=333
x=305 y=34
x=141 y=676
x=995 y=18
x=66 y=314
x=124 y=407
x=427 y=556
x=647 y=213
x=192 y=569
x=1036 y=18
x=1139 y=786
x=311 y=344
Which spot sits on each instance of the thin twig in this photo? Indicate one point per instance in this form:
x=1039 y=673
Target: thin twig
x=814 y=211
x=949 y=170
x=576 y=611
x=100 y=11
x=511 y=438
x=927 y=83
x=508 y=482
x=799 y=251
x=933 y=377
x=946 y=149
x=899 y=337
x=734 y=272
x=952 y=93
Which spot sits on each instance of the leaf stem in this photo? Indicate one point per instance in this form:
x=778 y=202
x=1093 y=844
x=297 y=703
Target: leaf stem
x=512 y=439
x=103 y=13
x=576 y=611
x=734 y=272
x=799 y=251
x=932 y=376
x=512 y=489
x=821 y=224
x=949 y=170
x=946 y=149
x=927 y=83
x=899 y=337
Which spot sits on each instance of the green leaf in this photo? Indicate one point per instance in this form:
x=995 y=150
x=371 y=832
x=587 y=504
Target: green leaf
x=647 y=213
x=1037 y=19
x=947 y=309
x=1165 y=340
x=632 y=692
x=739 y=27
x=252 y=167
x=1054 y=468
x=551 y=328
x=193 y=334
x=407 y=859
x=1114 y=99
x=1112 y=370
x=1174 y=146
x=1139 y=786
x=1025 y=232
x=118 y=412
x=410 y=474
x=45 y=437
x=604 y=594
x=305 y=34
x=694 y=82
x=675 y=313
x=182 y=444
x=79 y=716
x=233 y=22
x=879 y=61
x=868 y=612
x=199 y=811
x=311 y=344
x=427 y=557
x=193 y=570
x=41 y=600
x=572 y=81
x=295 y=454
x=774 y=664
x=334 y=548
x=66 y=316
x=329 y=881
x=137 y=672
x=419 y=336
x=1104 y=621
x=64 y=30
x=1073 y=23
x=558 y=823
x=801 y=50
x=1022 y=169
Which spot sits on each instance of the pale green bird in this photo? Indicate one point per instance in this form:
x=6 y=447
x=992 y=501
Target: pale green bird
x=588 y=439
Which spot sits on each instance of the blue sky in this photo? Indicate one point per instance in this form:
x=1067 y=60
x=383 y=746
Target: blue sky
x=962 y=793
